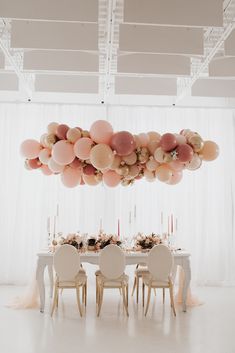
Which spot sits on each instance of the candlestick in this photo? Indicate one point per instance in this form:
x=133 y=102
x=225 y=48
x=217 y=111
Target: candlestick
x=101 y=224
x=54 y=227
x=130 y=217
x=135 y=212
x=172 y=228
x=118 y=228
x=57 y=210
x=161 y=218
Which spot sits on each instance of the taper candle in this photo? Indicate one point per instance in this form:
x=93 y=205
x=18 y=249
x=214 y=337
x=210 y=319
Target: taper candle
x=118 y=228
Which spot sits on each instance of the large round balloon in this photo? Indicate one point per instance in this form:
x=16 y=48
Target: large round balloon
x=123 y=143
x=61 y=131
x=210 y=151
x=164 y=173
x=30 y=149
x=62 y=152
x=73 y=135
x=101 y=156
x=82 y=148
x=184 y=153
x=101 y=131
x=71 y=177
x=111 y=178
x=168 y=142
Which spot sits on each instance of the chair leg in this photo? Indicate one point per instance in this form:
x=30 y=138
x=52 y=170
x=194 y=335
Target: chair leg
x=137 y=289
x=172 y=299
x=124 y=299
x=86 y=293
x=163 y=295
x=78 y=300
x=155 y=292
x=127 y=295
x=148 y=299
x=143 y=292
x=55 y=299
x=134 y=286
x=101 y=294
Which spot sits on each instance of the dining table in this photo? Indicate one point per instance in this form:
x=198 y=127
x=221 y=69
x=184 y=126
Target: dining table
x=45 y=260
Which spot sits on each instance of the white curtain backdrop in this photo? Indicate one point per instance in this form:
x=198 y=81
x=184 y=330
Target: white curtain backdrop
x=203 y=202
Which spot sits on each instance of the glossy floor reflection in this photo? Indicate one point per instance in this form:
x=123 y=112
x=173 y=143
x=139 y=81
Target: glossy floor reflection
x=206 y=328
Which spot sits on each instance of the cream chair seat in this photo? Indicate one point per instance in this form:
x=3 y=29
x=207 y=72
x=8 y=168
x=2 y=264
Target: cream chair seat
x=111 y=275
x=69 y=274
x=160 y=265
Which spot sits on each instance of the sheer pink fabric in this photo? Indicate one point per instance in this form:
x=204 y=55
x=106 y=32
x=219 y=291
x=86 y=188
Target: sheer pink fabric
x=28 y=300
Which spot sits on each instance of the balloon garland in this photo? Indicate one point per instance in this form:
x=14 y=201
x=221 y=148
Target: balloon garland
x=88 y=157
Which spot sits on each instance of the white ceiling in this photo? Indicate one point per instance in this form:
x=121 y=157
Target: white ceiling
x=118 y=51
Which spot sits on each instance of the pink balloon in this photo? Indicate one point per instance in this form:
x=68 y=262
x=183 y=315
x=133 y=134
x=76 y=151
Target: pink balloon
x=71 y=177
x=168 y=142
x=175 y=178
x=144 y=139
x=184 y=153
x=210 y=151
x=61 y=131
x=44 y=155
x=89 y=170
x=164 y=173
x=123 y=143
x=82 y=148
x=63 y=153
x=55 y=167
x=30 y=149
x=91 y=180
x=101 y=156
x=176 y=165
x=101 y=131
x=45 y=170
x=111 y=178
x=34 y=163
x=76 y=163
x=52 y=127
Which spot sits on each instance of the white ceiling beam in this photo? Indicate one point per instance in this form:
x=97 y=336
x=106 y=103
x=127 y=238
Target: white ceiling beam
x=54 y=35
x=61 y=61
x=145 y=86
x=195 y=13
x=214 y=88
x=52 y=10
x=222 y=67
x=229 y=45
x=63 y=83
x=165 y=40
x=154 y=64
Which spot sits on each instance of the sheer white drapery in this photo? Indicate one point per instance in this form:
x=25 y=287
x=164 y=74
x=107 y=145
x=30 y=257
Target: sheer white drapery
x=203 y=202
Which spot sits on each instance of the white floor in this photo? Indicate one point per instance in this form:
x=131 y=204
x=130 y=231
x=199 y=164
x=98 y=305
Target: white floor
x=208 y=328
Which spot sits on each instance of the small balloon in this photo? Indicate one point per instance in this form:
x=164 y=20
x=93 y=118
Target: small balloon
x=30 y=149
x=130 y=159
x=82 y=148
x=73 y=135
x=52 y=128
x=55 y=167
x=61 y=131
x=111 y=178
x=34 y=163
x=123 y=143
x=195 y=162
x=44 y=155
x=196 y=142
x=210 y=151
x=184 y=153
x=71 y=177
x=101 y=131
x=168 y=142
x=164 y=173
x=89 y=170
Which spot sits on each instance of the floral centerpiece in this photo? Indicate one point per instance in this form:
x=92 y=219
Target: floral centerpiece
x=107 y=239
x=72 y=239
x=147 y=241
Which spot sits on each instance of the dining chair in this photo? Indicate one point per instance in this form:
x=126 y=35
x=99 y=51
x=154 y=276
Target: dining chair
x=160 y=264
x=69 y=274
x=111 y=274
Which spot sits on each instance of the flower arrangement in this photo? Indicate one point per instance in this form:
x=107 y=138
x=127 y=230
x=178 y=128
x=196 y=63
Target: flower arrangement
x=71 y=239
x=102 y=241
x=147 y=241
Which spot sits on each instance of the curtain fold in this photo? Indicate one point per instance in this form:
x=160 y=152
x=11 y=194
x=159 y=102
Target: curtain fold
x=203 y=202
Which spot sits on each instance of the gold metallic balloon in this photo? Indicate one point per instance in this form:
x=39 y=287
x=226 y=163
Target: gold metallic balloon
x=196 y=142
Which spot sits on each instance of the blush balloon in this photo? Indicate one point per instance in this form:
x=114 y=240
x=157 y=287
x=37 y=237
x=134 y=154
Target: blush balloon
x=111 y=178
x=101 y=131
x=82 y=148
x=71 y=177
x=61 y=131
x=123 y=143
x=30 y=149
x=89 y=170
x=184 y=153
x=168 y=142
x=63 y=153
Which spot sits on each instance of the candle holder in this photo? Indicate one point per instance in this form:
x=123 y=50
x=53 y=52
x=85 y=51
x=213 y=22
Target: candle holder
x=49 y=239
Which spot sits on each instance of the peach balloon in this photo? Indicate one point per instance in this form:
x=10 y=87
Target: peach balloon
x=130 y=159
x=111 y=178
x=116 y=162
x=152 y=164
x=154 y=136
x=73 y=135
x=164 y=173
x=71 y=177
x=82 y=148
x=34 y=163
x=133 y=171
x=52 y=127
x=63 y=153
x=149 y=175
x=55 y=167
x=90 y=180
x=137 y=141
x=30 y=149
x=44 y=155
x=101 y=131
x=175 y=178
x=210 y=151
x=76 y=163
x=101 y=156
x=61 y=131
x=195 y=162
x=176 y=165
x=45 y=170
x=144 y=139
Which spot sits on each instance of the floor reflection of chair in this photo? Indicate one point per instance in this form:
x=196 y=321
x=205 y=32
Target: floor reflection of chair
x=111 y=275
x=69 y=274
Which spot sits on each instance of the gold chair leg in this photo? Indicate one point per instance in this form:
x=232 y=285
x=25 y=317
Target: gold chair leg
x=172 y=299
x=124 y=299
x=148 y=299
x=155 y=292
x=137 y=289
x=54 y=300
x=143 y=290
x=163 y=295
x=133 y=289
x=78 y=300
x=127 y=295
x=86 y=293
x=101 y=294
